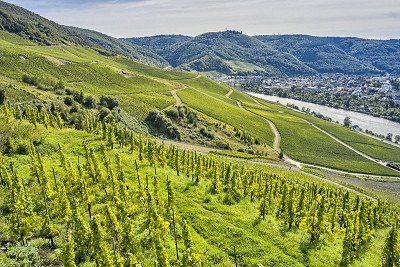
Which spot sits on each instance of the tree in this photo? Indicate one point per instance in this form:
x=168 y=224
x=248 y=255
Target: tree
x=390 y=254
x=347 y=122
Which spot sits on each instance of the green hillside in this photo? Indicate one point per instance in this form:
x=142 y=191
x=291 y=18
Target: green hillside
x=106 y=161
x=75 y=197
x=38 y=29
x=225 y=52
x=340 y=54
x=231 y=52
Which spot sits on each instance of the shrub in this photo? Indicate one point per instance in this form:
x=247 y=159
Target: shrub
x=162 y=124
x=104 y=112
x=109 y=102
x=25 y=256
x=32 y=80
x=222 y=144
x=68 y=101
x=79 y=97
x=2 y=96
x=90 y=102
x=206 y=133
x=172 y=113
x=69 y=91
x=58 y=86
x=182 y=110
x=74 y=108
x=192 y=118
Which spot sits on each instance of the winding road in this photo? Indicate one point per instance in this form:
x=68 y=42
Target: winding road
x=299 y=164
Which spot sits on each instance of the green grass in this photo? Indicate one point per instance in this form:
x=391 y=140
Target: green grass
x=368 y=145
x=305 y=143
x=215 y=227
x=227 y=113
x=141 y=88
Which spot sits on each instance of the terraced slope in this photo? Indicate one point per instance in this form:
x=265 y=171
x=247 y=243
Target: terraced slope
x=140 y=88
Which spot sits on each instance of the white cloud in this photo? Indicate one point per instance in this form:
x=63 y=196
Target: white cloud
x=126 y=18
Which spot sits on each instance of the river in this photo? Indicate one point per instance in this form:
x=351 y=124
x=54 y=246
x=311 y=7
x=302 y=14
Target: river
x=366 y=122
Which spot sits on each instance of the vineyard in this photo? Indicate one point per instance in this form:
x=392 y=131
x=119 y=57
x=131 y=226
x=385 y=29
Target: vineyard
x=89 y=175
x=141 y=89
x=100 y=195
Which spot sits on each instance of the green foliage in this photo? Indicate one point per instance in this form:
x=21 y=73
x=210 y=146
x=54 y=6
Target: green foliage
x=89 y=195
x=162 y=124
x=228 y=52
x=303 y=142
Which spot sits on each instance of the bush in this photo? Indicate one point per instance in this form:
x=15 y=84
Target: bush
x=192 y=118
x=222 y=144
x=68 y=101
x=69 y=91
x=58 y=86
x=162 y=125
x=32 y=80
x=16 y=146
x=104 y=112
x=206 y=133
x=109 y=102
x=90 y=102
x=2 y=96
x=79 y=97
x=182 y=110
x=25 y=256
x=172 y=113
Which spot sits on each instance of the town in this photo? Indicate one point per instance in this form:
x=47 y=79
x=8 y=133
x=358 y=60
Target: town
x=375 y=95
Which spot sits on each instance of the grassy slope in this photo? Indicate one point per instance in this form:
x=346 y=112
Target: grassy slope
x=305 y=143
x=361 y=142
x=141 y=88
x=212 y=102
x=215 y=227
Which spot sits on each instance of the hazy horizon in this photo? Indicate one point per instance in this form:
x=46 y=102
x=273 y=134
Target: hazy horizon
x=140 y=18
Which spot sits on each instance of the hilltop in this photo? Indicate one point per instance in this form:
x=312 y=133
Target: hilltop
x=233 y=52
x=225 y=52
x=29 y=25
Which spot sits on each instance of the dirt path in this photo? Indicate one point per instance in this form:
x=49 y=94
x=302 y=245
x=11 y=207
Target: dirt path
x=277 y=136
x=178 y=100
x=229 y=93
x=339 y=185
x=277 y=164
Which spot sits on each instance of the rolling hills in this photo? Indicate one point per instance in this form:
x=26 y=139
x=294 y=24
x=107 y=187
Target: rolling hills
x=232 y=52
x=106 y=161
x=27 y=24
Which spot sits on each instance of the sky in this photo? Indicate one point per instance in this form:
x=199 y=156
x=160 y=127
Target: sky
x=378 y=19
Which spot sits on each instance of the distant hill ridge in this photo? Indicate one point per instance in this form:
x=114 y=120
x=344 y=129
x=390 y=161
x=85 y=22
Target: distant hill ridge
x=231 y=52
x=27 y=24
x=228 y=52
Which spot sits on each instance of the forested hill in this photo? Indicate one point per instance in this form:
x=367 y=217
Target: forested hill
x=340 y=54
x=232 y=52
x=226 y=52
x=29 y=25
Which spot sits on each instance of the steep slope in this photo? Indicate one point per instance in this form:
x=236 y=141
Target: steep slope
x=340 y=54
x=227 y=52
x=29 y=25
